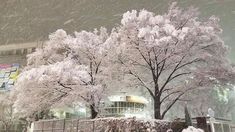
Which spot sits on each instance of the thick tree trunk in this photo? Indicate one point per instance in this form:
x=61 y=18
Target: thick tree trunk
x=94 y=113
x=157 y=108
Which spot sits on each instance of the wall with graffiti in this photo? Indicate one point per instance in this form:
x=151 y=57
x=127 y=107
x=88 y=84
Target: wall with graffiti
x=8 y=75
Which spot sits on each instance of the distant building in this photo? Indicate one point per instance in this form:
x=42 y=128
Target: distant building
x=125 y=106
x=12 y=57
x=115 y=106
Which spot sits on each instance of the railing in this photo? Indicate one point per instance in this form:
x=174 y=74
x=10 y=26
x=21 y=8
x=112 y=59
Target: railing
x=218 y=124
x=64 y=126
x=76 y=125
x=232 y=128
x=120 y=111
x=100 y=125
x=223 y=126
x=82 y=125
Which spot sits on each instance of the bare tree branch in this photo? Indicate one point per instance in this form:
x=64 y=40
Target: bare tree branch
x=143 y=83
x=172 y=103
x=168 y=95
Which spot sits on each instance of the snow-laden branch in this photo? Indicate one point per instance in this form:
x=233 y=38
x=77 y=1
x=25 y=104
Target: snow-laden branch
x=170 y=51
x=67 y=69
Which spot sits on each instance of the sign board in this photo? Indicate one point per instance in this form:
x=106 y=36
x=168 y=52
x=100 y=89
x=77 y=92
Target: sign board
x=8 y=75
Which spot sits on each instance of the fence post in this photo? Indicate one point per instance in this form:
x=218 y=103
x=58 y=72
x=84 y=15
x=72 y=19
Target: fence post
x=16 y=126
x=64 y=126
x=52 y=126
x=93 y=126
x=77 y=125
x=211 y=120
x=42 y=126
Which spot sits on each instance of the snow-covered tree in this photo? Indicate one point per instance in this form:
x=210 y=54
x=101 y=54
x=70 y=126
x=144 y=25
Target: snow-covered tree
x=7 y=118
x=67 y=69
x=170 y=54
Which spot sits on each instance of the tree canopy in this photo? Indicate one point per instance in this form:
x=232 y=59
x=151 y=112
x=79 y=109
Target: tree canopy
x=171 y=54
x=167 y=55
x=66 y=69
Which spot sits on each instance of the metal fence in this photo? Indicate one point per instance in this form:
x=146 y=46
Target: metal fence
x=64 y=126
x=217 y=124
x=83 y=125
x=98 y=125
x=232 y=128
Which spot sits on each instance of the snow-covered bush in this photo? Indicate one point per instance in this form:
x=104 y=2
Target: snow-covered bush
x=109 y=124
x=192 y=129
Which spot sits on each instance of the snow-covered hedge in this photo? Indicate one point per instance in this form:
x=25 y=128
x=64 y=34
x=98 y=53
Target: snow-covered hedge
x=112 y=125
x=192 y=129
x=130 y=124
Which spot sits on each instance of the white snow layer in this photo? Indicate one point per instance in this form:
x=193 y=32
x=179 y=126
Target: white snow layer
x=192 y=129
